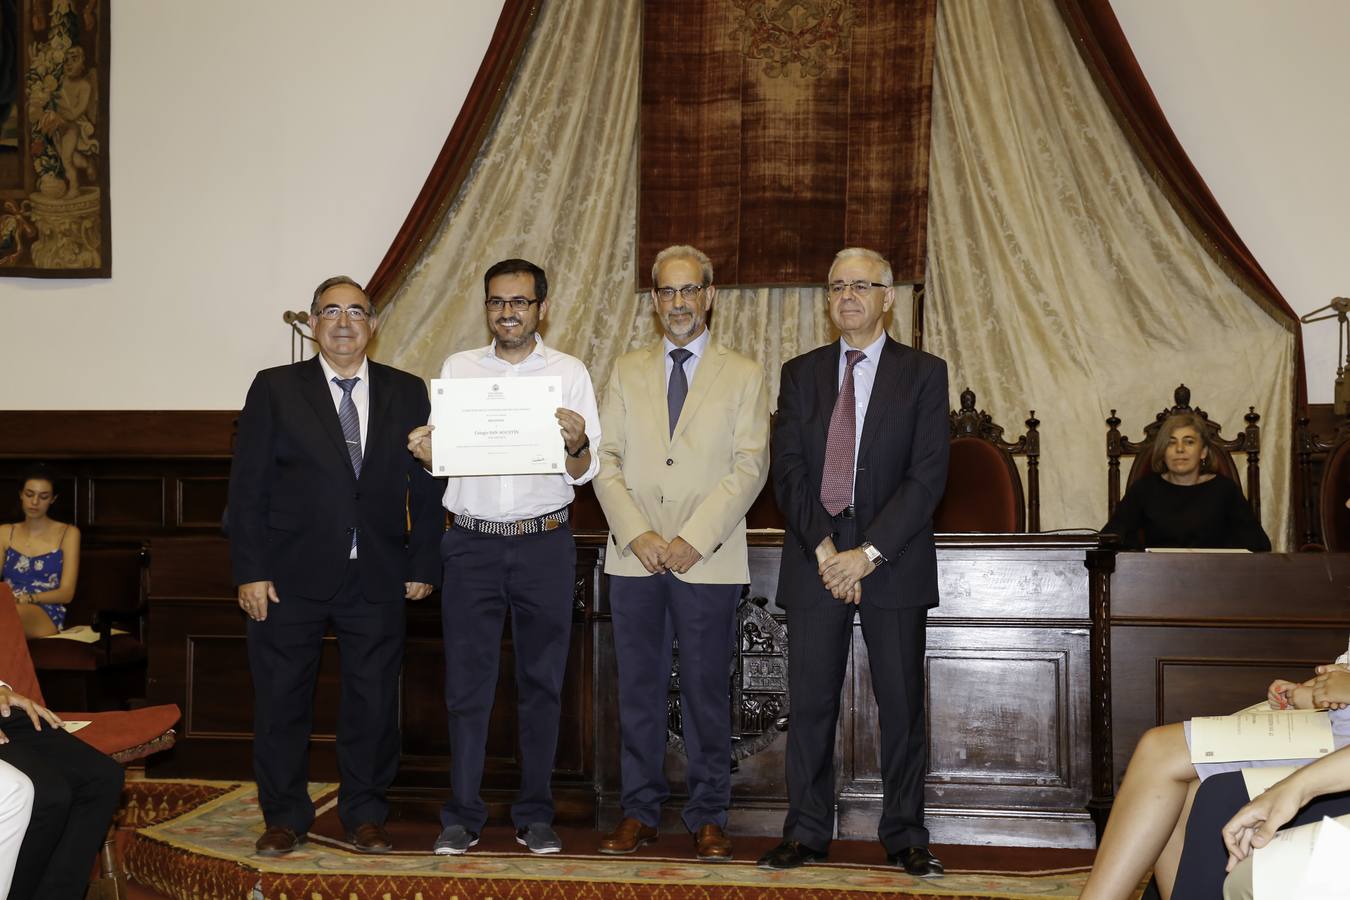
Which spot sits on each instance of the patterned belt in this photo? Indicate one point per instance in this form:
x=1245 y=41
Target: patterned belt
x=546 y=522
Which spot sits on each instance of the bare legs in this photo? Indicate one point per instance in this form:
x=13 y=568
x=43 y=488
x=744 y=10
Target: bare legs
x=1147 y=820
x=36 y=622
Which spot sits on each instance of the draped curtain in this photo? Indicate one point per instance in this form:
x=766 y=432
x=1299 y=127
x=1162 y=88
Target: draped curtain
x=1062 y=279
x=556 y=183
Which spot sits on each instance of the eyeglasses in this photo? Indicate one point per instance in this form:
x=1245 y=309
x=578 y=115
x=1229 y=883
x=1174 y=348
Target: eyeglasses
x=354 y=313
x=518 y=304
x=688 y=292
x=840 y=288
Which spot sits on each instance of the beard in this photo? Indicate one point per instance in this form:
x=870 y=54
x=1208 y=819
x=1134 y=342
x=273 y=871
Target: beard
x=694 y=322
x=512 y=342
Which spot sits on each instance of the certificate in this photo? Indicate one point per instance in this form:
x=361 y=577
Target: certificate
x=1261 y=734
x=497 y=426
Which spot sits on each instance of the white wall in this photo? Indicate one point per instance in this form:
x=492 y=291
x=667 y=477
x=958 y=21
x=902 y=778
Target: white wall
x=1259 y=95
x=261 y=145
x=257 y=147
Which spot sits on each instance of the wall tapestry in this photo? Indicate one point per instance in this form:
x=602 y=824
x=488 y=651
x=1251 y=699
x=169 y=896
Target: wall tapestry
x=775 y=132
x=54 y=214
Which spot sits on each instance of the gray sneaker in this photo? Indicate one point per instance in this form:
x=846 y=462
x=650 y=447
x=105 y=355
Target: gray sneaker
x=539 y=837
x=454 y=840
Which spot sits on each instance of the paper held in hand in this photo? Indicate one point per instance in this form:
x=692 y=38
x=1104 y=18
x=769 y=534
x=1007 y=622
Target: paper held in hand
x=1304 y=863
x=497 y=426
x=1261 y=734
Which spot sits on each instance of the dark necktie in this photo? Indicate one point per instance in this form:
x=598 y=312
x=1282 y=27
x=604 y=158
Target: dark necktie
x=678 y=388
x=836 y=480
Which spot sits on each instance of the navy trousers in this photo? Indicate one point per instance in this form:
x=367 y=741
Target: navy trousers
x=647 y=613
x=486 y=576
x=283 y=654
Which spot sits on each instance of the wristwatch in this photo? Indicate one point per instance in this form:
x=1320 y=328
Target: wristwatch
x=585 y=445
x=872 y=553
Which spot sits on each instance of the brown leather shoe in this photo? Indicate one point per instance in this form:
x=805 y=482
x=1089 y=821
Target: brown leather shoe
x=712 y=844
x=370 y=838
x=277 y=840
x=630 y=835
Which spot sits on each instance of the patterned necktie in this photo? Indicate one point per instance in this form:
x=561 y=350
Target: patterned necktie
x=678 y=388
x=836 y=480
x=351 y=421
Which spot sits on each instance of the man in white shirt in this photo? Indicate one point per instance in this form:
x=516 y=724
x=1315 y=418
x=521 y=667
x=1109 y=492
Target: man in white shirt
x=511 y=549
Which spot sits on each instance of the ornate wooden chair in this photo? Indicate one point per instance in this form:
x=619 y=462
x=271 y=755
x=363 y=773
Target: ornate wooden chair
x=1221 y=450
x=125 y=736
x=984 y=488
x=1326 y=521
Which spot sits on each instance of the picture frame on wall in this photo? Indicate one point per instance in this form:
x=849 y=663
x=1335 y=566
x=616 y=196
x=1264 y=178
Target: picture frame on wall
x=55 y=217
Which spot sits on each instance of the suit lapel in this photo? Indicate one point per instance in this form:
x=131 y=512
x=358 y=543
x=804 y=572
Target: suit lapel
x=827 y=385
x=380 y=397
x=320 y=397
x=655 y=372
x=705 y=376
x=891 y=369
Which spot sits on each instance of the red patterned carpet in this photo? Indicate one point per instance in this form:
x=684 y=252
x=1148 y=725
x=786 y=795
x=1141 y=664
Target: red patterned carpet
x=195 y=840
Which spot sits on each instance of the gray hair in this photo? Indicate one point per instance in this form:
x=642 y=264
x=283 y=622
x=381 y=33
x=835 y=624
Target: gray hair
x=334 y=282
x=864 y=253
x=684 y=251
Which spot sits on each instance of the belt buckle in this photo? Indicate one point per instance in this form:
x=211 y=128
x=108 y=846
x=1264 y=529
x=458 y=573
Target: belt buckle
x=550 y=524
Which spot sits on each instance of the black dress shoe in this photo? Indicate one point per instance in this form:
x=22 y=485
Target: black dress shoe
x=917 y=861
x=790 y=855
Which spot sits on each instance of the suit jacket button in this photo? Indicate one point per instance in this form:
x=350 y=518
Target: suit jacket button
x=670 y=462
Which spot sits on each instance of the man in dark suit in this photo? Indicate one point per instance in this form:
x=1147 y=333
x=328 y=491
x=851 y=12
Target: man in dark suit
x=860 y=448
x=321 y=490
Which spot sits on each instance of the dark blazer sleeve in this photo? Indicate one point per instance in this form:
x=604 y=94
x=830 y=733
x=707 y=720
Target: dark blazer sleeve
x=792 y=466
x=1243 y=528
x=250 y=485
x=1127 y=522
x=909 y=510
x=425 y=512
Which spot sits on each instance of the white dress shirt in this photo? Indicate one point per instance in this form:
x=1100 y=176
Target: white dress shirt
x=864 y=376
x=507 y=498
x=360 y=394
x=698 y=346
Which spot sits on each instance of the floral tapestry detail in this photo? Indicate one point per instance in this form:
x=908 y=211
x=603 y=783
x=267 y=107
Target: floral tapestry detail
x=804 y=32
x=53 y=171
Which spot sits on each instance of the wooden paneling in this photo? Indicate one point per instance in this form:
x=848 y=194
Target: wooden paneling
x=1008 y=684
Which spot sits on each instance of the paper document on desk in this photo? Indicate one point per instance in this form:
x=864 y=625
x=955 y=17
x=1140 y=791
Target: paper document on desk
x=1304 y=863
x=74 y=726
x=497 y=426
x=1261 y=734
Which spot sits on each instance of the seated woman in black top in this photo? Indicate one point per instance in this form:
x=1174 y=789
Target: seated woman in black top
x=1181 y=503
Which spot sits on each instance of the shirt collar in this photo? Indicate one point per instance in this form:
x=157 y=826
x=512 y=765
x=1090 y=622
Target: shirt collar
x=872 y=351
x=329 y=373
x=698 y=346
x=490 y=351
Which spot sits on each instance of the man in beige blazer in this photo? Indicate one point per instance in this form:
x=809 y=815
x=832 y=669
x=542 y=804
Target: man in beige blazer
x=684 y=453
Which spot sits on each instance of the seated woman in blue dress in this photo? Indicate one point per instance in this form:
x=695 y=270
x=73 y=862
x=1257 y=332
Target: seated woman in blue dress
x=1183 y=504
x=41 y=557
